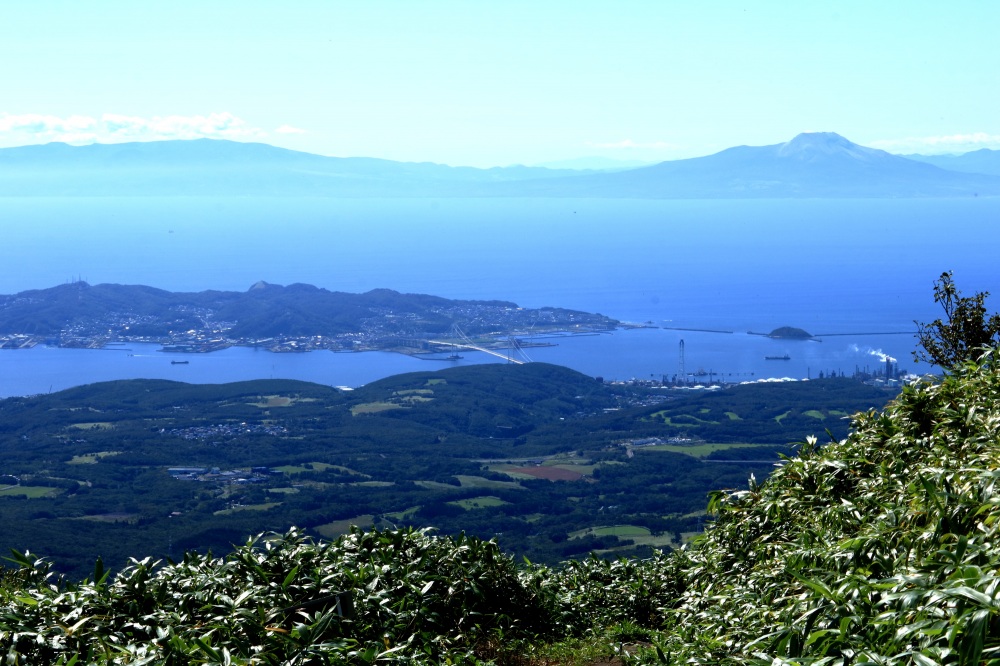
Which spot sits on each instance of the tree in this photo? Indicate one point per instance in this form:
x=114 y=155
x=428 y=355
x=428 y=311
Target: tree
x=964 y=330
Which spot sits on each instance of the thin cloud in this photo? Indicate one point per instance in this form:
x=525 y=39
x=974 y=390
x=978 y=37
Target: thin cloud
x=50 y=128
x=288 y=129
x=213 y=126
x=949 y=143
x=113 y=127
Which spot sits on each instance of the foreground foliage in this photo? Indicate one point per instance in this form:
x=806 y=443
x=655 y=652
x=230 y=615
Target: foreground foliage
x=274 y=601
x=881 y=548
x=966 y=329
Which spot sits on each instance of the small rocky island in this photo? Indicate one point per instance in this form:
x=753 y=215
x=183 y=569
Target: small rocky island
x=787 y=333
x=790 y=333
x=293 y=318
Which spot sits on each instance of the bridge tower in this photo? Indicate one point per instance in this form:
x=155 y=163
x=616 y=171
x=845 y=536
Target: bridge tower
x=680 y=365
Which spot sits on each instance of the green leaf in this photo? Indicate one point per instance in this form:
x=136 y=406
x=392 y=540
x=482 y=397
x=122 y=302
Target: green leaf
x=290 y=577
x=923 y=660
x=207 y=649
x=970 y=594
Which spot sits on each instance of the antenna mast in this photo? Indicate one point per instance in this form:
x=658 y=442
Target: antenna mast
x=680 y=364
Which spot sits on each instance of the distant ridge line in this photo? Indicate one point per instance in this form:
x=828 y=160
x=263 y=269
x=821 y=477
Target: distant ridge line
x=811 y=165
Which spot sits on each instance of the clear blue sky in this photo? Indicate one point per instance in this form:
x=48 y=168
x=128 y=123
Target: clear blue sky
x=486 y=83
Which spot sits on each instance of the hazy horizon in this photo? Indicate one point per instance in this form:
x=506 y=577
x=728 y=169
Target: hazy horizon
x=582 y=163
x=494 y=85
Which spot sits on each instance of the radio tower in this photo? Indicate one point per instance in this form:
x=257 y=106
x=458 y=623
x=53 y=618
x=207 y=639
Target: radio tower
x=680 y=364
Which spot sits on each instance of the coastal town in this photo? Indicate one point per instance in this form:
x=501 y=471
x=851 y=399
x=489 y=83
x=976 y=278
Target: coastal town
x=410 y=324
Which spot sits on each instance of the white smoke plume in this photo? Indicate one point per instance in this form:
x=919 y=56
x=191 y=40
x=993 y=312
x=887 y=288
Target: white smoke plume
x=882 y=356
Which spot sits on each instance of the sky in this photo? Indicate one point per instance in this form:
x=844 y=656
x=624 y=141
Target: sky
x=488 y=83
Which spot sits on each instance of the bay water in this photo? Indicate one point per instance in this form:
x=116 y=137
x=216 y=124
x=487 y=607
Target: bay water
x=859 y=267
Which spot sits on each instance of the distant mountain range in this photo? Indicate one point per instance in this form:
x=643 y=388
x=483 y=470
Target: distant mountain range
x=978 y=161
x=810 y=165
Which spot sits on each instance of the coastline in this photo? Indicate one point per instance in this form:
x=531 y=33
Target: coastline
x=414 y=346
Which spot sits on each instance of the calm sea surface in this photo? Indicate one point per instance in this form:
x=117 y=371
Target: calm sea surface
x=852 y=266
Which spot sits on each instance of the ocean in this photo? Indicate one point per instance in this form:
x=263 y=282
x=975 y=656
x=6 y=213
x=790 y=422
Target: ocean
x=827 y=266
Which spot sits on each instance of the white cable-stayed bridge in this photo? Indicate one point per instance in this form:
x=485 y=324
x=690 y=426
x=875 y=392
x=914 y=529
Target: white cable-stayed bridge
x=467 y=343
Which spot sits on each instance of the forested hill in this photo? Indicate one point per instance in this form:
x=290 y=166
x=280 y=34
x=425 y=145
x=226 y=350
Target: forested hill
x=554 y=462
x=881 y=548
x=263 y=311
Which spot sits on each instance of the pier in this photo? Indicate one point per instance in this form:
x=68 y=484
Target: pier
x=830 y=335
x=696 y=330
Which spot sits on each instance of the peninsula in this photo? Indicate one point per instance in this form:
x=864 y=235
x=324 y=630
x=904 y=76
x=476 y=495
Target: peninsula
x=293 y=318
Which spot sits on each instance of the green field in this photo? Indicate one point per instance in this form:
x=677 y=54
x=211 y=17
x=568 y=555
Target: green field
x=402 y=515
x=682 y=420
x=248 y=507
x=697 y=450
x=626 y=531
x=373 y=408
x=640 y=536
x=265 y=401
x=101 y=425
x=338 y=527
x=480 y=482
x=273 y=401
x=573 y=463
x=313 y=467
x=31 y=492
x=585 y=470
x=436 y=485
x=91 y=458
x=479 y=502
x=505 y=469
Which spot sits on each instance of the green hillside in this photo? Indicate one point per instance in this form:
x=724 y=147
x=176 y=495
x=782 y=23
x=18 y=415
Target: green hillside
x=552 y=462
x=877 y=549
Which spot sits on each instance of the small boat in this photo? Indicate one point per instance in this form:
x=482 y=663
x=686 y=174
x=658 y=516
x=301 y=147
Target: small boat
x=786 y=357
x=179 y=362
x=455 y=357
